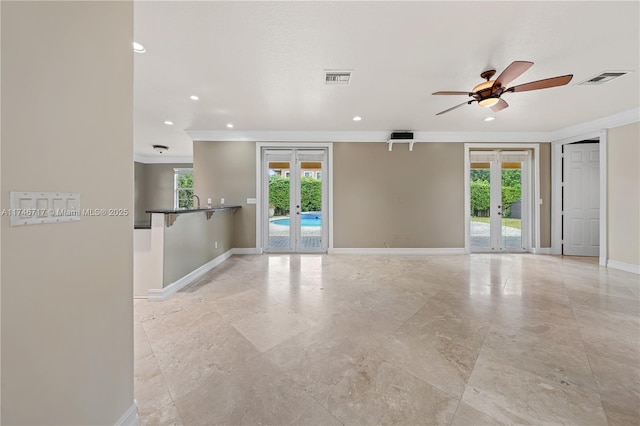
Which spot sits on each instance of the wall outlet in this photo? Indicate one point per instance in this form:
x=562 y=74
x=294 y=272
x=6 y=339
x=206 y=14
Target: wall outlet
x=215 y=245
x=221 y=200
x=209 y=201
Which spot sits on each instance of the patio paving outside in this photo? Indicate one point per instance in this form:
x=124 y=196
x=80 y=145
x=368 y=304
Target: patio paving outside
x=279 y=235
x=511 y=237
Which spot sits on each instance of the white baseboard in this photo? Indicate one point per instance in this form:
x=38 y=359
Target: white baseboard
x=398 y=251
x=542 y=250
x=130 y=417
x=249 y=250
x=627 y=267
x=158 y=295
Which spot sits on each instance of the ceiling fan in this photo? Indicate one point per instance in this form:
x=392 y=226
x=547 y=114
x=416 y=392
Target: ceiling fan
x=488 y=93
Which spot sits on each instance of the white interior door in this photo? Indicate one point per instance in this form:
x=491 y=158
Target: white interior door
x=295 y=185
x=581 y=200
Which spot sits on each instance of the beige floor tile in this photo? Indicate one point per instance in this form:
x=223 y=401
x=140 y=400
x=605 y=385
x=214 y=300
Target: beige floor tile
x=316 y=361
x=382 y=393
x=512 y=395
x=619 y=385
x=555 y=360
x=150 y=389
x=317 y=339
x=268 y=329
x=256 y=393
x=166 y=416
x=469 y=416
x=437 y=361
x=200 y=351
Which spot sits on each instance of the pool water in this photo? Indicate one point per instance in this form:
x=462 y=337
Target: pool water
x=306 y=219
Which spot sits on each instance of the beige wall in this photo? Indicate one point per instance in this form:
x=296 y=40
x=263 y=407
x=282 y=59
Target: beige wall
x=228 y=170
x=623 y=193
x=154 y=187
x=545 y=194
x=140 y=193
x=400 y=198
x=410 y=199
x=67 y=314
x=190 y=242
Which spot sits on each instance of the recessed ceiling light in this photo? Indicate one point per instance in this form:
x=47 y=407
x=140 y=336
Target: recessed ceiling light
x=489 y=119
x=230 y=126
x=194 y=97
x=138 y=48
x=168 y=123
x=357 y=118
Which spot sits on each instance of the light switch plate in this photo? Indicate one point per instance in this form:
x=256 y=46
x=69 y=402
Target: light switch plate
x=251 y=201
x=31 y=208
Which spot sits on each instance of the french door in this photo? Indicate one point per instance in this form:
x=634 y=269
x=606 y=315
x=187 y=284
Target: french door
x=500 y=202
x=295 y=192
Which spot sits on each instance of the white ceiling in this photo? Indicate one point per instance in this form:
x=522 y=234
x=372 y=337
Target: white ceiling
x=259 y=65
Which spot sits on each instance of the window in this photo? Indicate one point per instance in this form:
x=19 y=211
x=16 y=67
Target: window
x=318 y=175
x=308 y=174
x=287 y=174
x=183 y=188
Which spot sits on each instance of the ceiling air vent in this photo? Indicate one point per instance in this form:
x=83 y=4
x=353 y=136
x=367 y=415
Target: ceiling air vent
x=603 y=78
x=337 y=78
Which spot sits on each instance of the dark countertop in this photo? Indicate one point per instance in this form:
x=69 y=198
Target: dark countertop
x=203 y=209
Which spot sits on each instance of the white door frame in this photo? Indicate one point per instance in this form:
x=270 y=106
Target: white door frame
x=259 y=192
x=556 y=191
x=535 y=220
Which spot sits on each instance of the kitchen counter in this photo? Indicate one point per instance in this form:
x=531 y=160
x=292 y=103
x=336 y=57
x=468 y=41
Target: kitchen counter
x=202 y=209
x=180 y=246
x=172 y=214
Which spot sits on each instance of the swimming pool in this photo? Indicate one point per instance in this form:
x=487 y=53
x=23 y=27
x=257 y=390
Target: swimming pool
x=306 y=219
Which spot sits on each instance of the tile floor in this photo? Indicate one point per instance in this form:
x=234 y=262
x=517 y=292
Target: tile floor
x=330 y=340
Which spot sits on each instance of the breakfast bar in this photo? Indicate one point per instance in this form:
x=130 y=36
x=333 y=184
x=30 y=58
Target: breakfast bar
x=178 y=247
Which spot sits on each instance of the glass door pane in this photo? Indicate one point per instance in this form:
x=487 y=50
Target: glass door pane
x=310 y=206
x=480 y=195
x=279 y=196
x=511 y=227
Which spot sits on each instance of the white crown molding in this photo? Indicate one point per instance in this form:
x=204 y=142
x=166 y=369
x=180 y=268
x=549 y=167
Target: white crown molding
x=287 y=136
x=161 y=159
x=593 y=128
x=587 y=129
x=567 y=134
x=369 y=136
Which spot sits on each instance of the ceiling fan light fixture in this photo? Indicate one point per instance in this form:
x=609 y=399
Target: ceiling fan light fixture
x=488 y=102
x=483 y=86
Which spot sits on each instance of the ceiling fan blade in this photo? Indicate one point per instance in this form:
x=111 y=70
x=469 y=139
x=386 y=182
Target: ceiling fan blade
x=542 y=84
x=502 y=104
x=452 y=108
x=452 y=93
x=512 y=72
